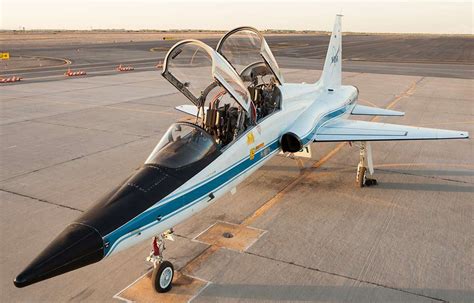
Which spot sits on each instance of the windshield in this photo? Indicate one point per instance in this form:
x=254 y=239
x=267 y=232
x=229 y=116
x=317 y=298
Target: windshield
x=182 y=144
x=244 y=47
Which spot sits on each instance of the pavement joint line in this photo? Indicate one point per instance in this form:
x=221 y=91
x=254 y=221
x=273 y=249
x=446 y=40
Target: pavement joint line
x=381 y=231
x=425 y=176
x=101 y=85
x=73 y=111
x=199 y=259
x=162 y=95
x=86 y=128
x=377 y=202
x=447 y=123
x=440 y=98
x=199 y=291
x=71 y=160
x=378 y=167
x=458 y=165
x=41 y=200
x=117 y=295
x=346 y=277
x=170 y=113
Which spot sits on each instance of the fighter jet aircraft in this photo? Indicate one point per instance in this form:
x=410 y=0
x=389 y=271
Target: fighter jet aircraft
x=242 y=114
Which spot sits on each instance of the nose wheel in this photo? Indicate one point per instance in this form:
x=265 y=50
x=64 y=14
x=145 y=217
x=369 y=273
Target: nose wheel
x=162 y=276
x=163 y=271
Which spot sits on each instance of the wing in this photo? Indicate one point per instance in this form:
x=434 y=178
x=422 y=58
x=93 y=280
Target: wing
x=189 y=109
x=374 y=111
x=351 y=130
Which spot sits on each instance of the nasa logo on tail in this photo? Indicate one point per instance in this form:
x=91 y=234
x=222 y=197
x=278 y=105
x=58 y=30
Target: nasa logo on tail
x=335 y=58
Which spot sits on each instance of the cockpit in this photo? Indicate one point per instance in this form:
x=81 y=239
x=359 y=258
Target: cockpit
x=233 y=87
x=249 y=54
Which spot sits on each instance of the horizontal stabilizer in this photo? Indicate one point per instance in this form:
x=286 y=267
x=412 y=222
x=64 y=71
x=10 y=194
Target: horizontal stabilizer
x=351 y=130
x=189 y=109
x=374 y=111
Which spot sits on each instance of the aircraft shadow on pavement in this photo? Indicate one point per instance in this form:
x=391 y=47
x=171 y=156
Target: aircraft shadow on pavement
x=215 y=292
x=427 y=187
x=435 y=172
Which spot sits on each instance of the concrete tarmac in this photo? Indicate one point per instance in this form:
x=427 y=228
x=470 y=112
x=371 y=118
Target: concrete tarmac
x=409 y=239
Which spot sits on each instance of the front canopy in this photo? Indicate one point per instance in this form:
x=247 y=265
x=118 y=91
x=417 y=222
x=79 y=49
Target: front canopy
x=244 y=48
x=182 y=145
x=194 y=69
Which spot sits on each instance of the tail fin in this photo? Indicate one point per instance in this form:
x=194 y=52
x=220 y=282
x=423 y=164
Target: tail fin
x=331 y=77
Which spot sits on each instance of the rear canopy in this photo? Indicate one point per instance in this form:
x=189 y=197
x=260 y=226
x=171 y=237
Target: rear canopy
x=194 y=68
x=246 y=46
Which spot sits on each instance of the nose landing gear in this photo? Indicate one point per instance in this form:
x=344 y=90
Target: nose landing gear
x=163 y=271
x=365 y=162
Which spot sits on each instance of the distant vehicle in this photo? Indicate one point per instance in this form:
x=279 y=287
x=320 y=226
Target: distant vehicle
x=242 y=113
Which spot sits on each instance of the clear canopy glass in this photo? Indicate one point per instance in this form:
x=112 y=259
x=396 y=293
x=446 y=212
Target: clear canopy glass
x=182 y=145
x=194 y=68
x=244 y=47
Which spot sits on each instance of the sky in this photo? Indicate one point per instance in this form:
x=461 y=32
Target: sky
x=402 y=16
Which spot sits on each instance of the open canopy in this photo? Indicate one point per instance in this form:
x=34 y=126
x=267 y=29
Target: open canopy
x=194 y=69
x=245 y=47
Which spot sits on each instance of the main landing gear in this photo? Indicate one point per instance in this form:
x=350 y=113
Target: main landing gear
x=365 y=163
x=163 y=271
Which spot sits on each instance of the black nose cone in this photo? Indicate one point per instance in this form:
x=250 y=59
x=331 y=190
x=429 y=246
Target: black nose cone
x=77 y=246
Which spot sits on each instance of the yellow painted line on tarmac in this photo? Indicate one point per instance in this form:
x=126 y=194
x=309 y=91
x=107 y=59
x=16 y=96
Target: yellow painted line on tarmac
x=159 y=49
x=368 y=102
x=65 y=62
x=397 y=99
x=270 y=203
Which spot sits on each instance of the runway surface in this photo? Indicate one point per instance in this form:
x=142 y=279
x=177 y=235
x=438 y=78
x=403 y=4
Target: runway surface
x=434 y=56
x=319 y=238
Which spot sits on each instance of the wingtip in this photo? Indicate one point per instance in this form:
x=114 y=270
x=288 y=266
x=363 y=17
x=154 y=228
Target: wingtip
x=463 y=135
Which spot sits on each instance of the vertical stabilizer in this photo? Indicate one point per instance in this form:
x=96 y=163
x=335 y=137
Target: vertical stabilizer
x=331 y=77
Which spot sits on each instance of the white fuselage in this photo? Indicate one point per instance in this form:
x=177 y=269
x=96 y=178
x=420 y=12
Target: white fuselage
x=304 y=108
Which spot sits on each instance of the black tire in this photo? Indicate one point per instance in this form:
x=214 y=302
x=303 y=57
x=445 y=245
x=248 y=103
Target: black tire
x=361 y=177
x=370 y=182
x=162 y=277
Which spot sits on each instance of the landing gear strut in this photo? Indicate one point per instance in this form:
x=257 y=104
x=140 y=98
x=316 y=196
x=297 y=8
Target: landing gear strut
x=365 y=163
x=163 y=271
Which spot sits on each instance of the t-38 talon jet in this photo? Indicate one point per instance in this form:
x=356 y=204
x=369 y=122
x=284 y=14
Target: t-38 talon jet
x=242 y=113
